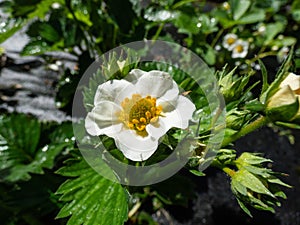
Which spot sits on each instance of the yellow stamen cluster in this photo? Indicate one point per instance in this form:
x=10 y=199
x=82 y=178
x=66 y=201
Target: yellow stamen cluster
x=137 y=112
x=231 y=40
x=239 y=48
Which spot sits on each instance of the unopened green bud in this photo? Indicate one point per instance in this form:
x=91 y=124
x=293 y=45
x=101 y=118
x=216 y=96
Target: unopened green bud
x=236 y=119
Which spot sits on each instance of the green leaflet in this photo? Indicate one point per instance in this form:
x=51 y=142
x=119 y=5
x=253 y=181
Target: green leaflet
x=42 y=8
x=35 y=47
x=90 y=198
x=239 y=8
x=250 y=181
x=19 y=144
x=9 y=27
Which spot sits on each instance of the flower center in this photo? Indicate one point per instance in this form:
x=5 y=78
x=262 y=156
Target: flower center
x=138 y=112
x=230 y=40
x=297 y=92
x=239 y=48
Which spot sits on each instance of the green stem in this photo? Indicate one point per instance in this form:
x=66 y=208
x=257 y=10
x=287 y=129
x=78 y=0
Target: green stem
x=246 y=130
x=181 y=3
x=229 y=171
x=215 y=40
x=159 y=29
x=261 y=56
x=87 y=36
x=216 y=163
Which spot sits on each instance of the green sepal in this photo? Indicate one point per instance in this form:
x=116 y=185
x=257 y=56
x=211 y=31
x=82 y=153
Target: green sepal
x=283 y=113
x=254 y=105
x=280 y=76
x=287 y=125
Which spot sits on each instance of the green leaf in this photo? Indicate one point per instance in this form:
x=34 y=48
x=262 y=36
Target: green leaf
x=35 y=48
x=223 y=18
x=248 y=158
x=209 y=55
x=197 y=173
x=296 y=10
x=251 y=182
x=44 y=159
x=42 y=8
x=238 y=188
x=187 y=23
x=252 y=17
x=255 y=105
x=272 y=30
x=21 y=132
x=48 y=32
x=159 y=15
x=274 y=180
x=285 y=41
x=90 y=198
x=239 y=7
x=9 y=27
x=264 y=75
x=21 y=155
x=90 y=91
x=244 y=208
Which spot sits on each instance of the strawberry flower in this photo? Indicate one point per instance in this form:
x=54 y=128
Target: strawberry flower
x=138 y=111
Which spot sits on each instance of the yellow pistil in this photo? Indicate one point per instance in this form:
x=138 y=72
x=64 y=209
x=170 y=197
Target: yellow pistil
x=230 y=40
x=239 y=48
x=138 y=112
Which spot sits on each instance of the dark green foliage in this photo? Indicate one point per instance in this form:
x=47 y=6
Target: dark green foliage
x=90 y=198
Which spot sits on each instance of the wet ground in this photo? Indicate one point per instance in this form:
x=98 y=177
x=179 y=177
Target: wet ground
x=27 y=86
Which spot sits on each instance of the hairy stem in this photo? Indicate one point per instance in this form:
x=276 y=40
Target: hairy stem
x=245 y=130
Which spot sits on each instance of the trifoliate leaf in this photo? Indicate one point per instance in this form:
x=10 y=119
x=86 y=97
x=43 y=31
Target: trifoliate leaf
x=20 y=151
x=90 y=198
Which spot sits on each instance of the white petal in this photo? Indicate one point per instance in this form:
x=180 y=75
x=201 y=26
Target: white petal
x=177 y=118
x=158 y=130
x=103 y=119
x=134 y=75
x=236 y=53
x=169 y=99
x=225 y=41
x=114 y=90
x=292 y=80
x=155 y=83
x=284 y=96
x=134 y=147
